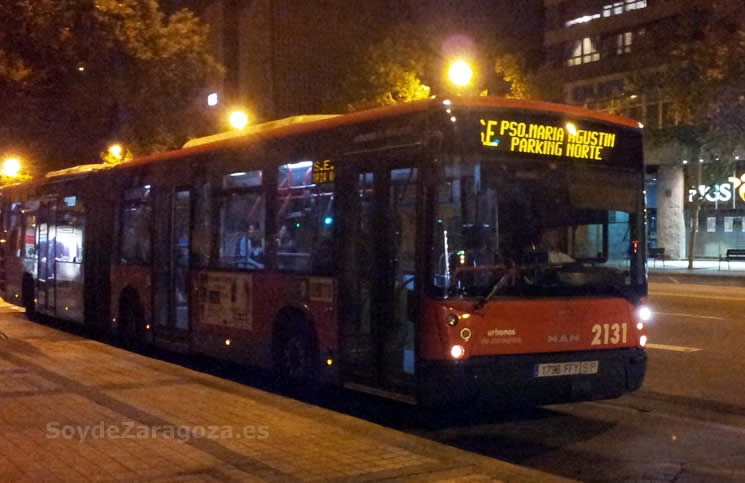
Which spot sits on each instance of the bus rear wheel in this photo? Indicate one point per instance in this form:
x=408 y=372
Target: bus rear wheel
x=296 y=360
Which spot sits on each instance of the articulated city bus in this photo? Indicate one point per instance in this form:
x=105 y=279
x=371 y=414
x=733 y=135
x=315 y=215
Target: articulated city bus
x=440 y=251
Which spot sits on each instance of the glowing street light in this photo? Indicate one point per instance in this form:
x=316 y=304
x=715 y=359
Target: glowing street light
x=460 y=73
x=11 y=167
x=238 y=119
x=116 y=151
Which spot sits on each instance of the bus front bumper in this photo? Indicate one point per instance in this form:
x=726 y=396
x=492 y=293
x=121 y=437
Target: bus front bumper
x=510 y=380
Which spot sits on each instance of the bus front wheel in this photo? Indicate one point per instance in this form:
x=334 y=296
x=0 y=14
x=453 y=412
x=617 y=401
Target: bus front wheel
x=131 y=331
x=28 y=298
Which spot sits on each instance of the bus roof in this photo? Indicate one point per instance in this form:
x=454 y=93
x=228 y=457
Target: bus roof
x=312 y=123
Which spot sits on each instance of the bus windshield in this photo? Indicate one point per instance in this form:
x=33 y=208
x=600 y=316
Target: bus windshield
x=535 y=229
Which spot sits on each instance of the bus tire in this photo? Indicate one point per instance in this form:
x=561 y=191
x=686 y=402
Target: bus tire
x=131 y=332
x=28 y=296
x=296 y=357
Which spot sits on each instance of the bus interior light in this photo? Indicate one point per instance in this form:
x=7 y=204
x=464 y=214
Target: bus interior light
x=301 y=164
x=239 y=173
x=457 y=351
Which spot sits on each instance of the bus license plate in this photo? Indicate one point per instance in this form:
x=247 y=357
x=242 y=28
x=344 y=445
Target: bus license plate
x=566 y=368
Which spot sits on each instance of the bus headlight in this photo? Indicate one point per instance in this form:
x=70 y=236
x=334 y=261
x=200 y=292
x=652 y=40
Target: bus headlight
x=643 y=341
x=645 y=313
x=457 y=351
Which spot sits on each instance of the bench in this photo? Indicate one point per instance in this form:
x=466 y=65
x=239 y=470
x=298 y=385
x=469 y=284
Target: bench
x=656 y=254
x=732 y=254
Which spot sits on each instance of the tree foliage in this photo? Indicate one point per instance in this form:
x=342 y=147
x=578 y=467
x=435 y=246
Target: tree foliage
x=695 y=65
x=78 y=74
x=390 y=70
x=521 y=81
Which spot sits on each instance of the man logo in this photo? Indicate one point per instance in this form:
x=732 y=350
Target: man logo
x=563 y=338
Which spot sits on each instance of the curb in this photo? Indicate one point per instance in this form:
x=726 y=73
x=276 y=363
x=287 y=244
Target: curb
x=734 y=280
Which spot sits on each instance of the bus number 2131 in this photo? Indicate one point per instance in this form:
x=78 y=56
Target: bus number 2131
x=609 y=334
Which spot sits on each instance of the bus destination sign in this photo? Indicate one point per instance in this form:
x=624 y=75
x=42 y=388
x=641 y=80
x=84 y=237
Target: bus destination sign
x=546 y=140
x=323 y=172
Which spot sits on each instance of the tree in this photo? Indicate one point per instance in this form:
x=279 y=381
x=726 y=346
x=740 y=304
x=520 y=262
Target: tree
x=78 y=74
x=390 y=70
x=521 y=81
x=694 y=65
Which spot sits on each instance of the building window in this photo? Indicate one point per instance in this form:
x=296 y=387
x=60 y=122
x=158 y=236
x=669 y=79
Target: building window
x=623 y=43
x=583 y=93
x=583 y=51
x=653 y=116
x=617 y=8
x=611 y=88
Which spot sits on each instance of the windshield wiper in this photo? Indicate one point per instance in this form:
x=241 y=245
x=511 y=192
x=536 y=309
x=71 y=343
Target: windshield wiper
x=498 y=285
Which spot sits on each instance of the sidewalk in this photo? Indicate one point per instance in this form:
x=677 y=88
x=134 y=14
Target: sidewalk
x=708 y=272
x=73 y=409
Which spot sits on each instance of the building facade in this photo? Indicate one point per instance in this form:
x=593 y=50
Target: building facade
x=285 y=57
x=593 y=46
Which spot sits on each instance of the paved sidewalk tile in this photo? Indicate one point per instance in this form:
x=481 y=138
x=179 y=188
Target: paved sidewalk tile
x=73 y=409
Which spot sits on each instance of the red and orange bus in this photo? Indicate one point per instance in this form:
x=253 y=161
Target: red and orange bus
x=438 y=251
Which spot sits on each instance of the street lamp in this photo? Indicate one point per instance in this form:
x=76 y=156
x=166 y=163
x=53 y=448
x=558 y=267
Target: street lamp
x=11 y=167
x=115 y=150
x=238 y=119
x=460 y=73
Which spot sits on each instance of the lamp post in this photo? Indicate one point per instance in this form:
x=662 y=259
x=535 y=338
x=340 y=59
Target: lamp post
x=11 y=167
x=116 y=151
x=460 y=73
x=238 y=119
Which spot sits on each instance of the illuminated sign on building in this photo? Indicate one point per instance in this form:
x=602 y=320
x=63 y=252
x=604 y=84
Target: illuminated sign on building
x=739 y=184
x=720 y=193
x=547 y=140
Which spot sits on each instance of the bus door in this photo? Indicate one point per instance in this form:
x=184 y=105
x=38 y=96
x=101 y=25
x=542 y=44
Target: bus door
x=171 y=260
x=399 y=281
x=378 y=279
x=47 y=236
x=359 y=280
x=68 y=259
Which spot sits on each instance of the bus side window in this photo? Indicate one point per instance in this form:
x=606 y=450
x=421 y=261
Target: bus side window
x=242 y=231
x=305 y=220
x=201 y=239
x=15 y=230
x=136 y=217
